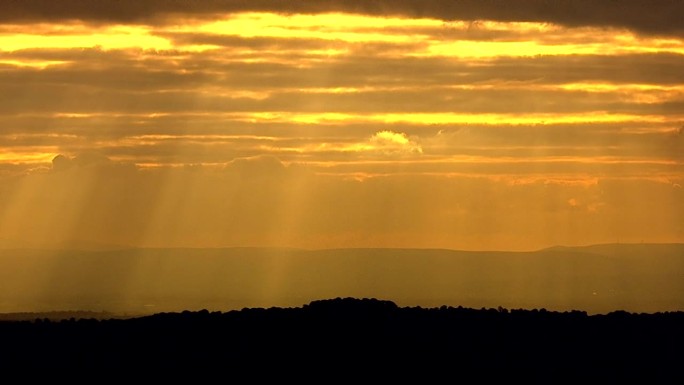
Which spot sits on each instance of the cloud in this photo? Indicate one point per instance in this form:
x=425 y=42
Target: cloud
x=61 y=163
x=325 y=134
x=261 y=202
x=262 y=166
x=390 y=142
x=98 y=78
x=653 y=17
x=86 y=159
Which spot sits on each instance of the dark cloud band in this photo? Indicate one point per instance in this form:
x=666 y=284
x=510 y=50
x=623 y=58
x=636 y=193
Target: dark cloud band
x=652 y=17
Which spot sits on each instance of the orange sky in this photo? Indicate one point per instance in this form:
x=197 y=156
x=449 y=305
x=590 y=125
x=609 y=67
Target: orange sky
x=339 y=125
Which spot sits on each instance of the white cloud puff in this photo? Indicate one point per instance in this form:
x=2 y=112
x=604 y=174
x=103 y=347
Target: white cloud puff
x=391 y=142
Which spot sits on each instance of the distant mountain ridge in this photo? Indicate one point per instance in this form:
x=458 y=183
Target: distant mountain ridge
x=597 y=278
x=620 y=247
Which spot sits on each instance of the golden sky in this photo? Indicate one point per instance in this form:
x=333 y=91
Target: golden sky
x=326 y=124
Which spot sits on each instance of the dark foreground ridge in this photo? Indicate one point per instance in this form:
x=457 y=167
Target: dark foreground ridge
x=356 y=335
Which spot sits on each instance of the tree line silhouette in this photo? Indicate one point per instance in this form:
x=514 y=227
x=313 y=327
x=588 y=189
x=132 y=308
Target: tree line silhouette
x=355 y=335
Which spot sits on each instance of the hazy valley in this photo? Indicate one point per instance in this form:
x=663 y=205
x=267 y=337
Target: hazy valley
x=597 y=279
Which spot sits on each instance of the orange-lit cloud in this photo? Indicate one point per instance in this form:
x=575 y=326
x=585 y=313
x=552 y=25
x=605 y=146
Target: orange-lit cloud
x=290 y=125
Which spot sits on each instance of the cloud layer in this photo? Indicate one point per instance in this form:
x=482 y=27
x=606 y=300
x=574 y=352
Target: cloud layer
x=443 y=124
x=655 y=16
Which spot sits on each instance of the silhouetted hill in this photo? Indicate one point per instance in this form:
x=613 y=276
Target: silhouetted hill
x=335 y=338
x=597 y=279
x=63 y=315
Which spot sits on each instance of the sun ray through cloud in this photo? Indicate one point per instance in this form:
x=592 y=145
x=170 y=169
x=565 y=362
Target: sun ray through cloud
x=369 y=109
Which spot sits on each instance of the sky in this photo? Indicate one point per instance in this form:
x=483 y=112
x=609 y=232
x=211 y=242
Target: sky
x=476 y=125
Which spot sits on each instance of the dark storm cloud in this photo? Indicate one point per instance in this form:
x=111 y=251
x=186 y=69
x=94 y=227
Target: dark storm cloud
x=653 y=17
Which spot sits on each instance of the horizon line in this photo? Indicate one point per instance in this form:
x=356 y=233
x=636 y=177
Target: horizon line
x=110 y=248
